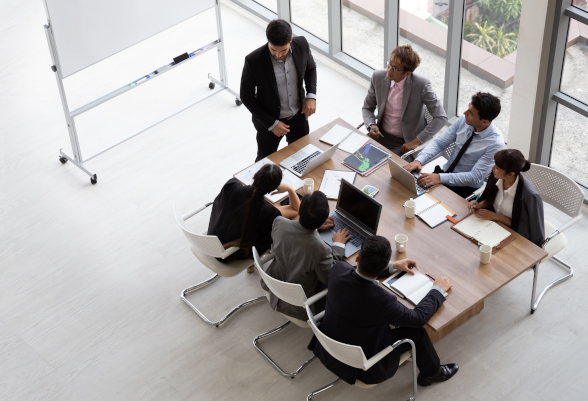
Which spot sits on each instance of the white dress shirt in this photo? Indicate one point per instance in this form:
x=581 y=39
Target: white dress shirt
x=505 y=199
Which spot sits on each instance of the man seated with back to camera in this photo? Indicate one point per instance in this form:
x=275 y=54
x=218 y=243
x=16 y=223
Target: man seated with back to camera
x=359 y=311
x=476 y=140
x=302 y=257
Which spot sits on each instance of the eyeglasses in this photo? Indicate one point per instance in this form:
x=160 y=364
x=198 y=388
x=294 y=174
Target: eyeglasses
x=393 y=67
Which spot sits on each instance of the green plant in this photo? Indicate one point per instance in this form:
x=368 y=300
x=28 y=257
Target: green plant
x=484 y=39
x=504 y=42
x=507 y=10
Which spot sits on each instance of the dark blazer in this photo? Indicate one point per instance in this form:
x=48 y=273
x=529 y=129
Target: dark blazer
x=258 y=72
x=226 y=219
x=527 y=208
x=359 y=312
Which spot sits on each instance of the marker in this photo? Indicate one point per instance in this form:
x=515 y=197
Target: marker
x=142 y=79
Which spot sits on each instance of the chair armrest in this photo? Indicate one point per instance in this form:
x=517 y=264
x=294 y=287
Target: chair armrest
x=267 y=257
x=415 y=150
x=561 y=229
x=186 y=216
x=476 y=192
x=376 y=358
x=319 y=316
x=229 y=252
x=316 y=297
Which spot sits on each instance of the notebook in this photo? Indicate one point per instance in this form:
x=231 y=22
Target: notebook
x=431 y=211
x=246 y=177
x=366 y=159
x=348 y=140
x=414 y=288
x=331 y=182
x=483 y=231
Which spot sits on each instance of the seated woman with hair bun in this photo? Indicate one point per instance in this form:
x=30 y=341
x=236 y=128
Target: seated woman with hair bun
x=512 y=199
x=242 y=218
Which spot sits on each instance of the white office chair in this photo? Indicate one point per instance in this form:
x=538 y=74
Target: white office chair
x=207 y=248
x=563 y=193
x=291 y=293
x=353 y=355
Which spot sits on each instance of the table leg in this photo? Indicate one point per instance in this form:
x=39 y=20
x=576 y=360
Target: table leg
x=464 y=317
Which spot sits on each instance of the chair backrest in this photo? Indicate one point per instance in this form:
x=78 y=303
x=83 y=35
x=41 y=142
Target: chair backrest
x=351 y=355
x=447 y=152
x=557 y=189
x=288 y=292
x=207 y=244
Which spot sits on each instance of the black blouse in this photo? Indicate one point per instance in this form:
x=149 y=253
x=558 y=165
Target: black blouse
x=227 y=218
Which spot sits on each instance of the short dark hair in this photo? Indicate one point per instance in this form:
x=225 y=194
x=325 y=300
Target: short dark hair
x=278 y=32
x=374 y=255
x=487 y=104
x=314 y=210
x=511 y=161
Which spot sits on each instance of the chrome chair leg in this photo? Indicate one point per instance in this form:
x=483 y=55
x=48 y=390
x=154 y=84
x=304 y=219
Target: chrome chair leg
x=535 y=303
x=206 y=320
x=320 y=390
x=269 y=333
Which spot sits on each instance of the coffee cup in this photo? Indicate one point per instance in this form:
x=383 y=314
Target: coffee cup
x=485 y=254
x=409 y=208
x=401 y=241
x=308 y=184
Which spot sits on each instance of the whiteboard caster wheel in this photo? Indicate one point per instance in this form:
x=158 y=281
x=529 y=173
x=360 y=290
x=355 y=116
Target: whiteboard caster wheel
x=63 y=160
x=94 y=179
x=238 y=102
x=211 y=85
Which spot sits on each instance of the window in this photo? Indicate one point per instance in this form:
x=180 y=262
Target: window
x=312 y=16
x=490 y=35
x=363 y=31
x=570 y=145
x=581 y=4
x=576 y=59
x=269 y=4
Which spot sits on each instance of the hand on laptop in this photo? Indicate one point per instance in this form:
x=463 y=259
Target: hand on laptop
x=405 y=265
x=281 y=129
x=341 y=236
x=413 y=166
x=428 y=180
x=329 y=222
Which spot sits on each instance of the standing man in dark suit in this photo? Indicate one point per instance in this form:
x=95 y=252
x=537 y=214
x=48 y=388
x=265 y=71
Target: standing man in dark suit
x=401 y=97
x=279 y=106
x=360 y=311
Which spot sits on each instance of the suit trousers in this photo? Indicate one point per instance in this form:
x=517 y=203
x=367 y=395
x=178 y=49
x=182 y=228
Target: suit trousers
x=393 y=143
x=268 y=142
x=427 y=359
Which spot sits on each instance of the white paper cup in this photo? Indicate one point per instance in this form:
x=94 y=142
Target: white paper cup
x=485 y=254
x=409 y=208
x=308 y=184
x=401 y=241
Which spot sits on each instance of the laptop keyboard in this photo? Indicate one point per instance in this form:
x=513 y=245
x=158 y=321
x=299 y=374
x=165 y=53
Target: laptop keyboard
x=419 y=189
x=301 y=165
x=356 y=238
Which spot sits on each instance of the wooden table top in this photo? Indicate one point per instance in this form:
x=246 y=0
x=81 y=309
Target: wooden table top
x=440 y=251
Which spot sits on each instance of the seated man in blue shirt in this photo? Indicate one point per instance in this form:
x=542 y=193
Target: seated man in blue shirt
x=359 y=311
x=476 y=139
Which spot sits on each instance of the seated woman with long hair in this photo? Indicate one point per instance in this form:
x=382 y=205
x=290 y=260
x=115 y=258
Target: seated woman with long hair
x=242 y=218
x=512 y=199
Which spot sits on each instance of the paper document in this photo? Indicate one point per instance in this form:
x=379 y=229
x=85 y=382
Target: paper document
x=414 y=288
x=348 y=140
x=336 y=135
x=431 y=211
x=246 y=177
x=486 y=232
x=331 y=182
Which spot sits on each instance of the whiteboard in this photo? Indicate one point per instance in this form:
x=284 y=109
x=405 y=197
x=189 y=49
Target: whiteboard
x=88 y=31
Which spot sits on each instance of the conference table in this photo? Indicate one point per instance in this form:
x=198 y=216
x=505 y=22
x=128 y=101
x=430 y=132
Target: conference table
x=440 y=251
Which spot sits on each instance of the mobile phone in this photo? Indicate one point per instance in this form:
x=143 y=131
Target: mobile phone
x=286 y=201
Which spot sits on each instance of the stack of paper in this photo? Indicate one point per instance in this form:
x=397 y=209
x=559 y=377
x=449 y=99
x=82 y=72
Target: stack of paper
x=246 y=177
x=331 y=182
x=348 y=140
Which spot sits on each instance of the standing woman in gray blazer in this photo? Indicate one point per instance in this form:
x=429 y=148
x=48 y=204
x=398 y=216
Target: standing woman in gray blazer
x=512 y=199
x=401 y=97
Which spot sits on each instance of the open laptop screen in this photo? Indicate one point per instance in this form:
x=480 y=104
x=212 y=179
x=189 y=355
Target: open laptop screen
x=360 y=206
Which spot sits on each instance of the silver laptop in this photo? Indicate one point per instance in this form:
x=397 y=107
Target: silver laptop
x=307 y=159
x=409 y=180
x=357 y=212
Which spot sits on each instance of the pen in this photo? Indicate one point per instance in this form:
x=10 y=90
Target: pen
x=414 y=197
x=431 y=277
x=369 y=127
x=477 y=197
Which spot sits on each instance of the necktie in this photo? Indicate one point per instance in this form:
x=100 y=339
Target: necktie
x=460 y=154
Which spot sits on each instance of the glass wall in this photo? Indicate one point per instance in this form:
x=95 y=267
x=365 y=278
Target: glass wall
x=363 y=31
x=312 y=16
x=569 y=152
x=269 y=4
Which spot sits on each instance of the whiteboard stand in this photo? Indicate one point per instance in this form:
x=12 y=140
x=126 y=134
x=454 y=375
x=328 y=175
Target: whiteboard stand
x=77 y=158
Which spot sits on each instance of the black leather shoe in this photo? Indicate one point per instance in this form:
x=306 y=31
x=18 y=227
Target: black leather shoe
x=445 y=372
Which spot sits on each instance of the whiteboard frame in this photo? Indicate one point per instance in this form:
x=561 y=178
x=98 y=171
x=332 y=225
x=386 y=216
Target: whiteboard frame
x=77 y=157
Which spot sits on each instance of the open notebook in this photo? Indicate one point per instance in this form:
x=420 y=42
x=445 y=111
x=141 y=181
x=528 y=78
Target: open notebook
x=431 y=211
x=485 y=232
x=414 y=288
x=349 y=141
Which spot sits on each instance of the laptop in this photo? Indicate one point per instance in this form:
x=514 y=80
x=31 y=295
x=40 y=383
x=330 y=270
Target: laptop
x=357 y=212
x=307 y=159
x=409 y=180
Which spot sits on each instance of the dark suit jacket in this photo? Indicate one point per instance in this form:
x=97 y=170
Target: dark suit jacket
x=359 y=312
x=258 y=72
x=527 y=209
